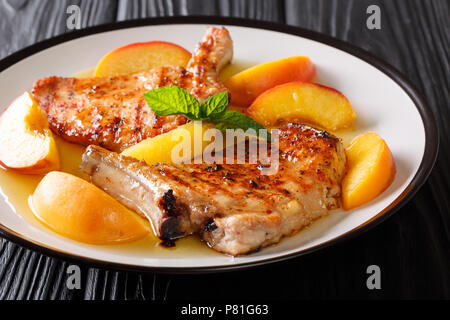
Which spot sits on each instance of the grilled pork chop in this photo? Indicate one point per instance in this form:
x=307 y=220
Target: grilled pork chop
x=111 y=111
x=233 y=207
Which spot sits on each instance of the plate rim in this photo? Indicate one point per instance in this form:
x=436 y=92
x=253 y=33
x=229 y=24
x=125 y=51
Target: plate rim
x=426 y=165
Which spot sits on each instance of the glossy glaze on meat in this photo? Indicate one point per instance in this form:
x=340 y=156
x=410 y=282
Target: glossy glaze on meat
x=234 y=207
x=111 y=112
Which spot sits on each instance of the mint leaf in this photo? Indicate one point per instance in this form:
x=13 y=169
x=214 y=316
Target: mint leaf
x=237 y=120
x=166 y=101
x=215 y=105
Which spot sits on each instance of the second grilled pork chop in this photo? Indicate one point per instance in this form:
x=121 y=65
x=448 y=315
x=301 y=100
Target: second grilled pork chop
x=233 y=207
x=111 y=111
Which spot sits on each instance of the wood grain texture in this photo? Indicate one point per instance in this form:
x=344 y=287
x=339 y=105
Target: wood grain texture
x=268 y=10
x=412 y=247
x=36 y=20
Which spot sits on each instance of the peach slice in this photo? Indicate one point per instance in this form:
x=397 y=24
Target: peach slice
x=26 y=142
x=304 y=102
x=250 y=83
x=79 y=210
x=160 y=148
x=371 y=169
x=141 y=56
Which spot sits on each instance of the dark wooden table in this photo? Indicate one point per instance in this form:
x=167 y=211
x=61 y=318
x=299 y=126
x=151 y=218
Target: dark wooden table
x=412 y=248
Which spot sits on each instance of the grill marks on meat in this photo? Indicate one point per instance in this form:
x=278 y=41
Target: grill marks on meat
x=111 y=112
x=233 y=207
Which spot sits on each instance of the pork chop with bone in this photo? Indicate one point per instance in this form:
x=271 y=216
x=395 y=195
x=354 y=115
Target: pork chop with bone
x=233 y=207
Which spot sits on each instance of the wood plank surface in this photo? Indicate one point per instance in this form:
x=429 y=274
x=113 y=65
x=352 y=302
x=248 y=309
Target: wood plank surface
x=412 y=247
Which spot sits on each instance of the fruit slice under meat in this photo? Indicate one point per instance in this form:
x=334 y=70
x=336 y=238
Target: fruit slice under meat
x=160 y=148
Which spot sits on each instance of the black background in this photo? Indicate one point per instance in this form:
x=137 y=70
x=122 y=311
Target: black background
x=412 y=248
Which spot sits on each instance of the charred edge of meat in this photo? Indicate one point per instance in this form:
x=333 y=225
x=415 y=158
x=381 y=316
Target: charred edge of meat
x=253 y=183
x=217 y=167
x=228 y=176
x=209 y=225
x=170 y=226
x=315 y=132
x=170 y=203
x=167 y=243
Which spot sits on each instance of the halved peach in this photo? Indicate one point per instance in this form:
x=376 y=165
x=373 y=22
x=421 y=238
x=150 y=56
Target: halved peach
x=141 y=56
x=79 y=210
x=370 y=170
x=304 y=102
x=247 y=85
x=26 y=142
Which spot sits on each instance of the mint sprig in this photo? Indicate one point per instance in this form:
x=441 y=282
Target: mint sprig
x=166 y=101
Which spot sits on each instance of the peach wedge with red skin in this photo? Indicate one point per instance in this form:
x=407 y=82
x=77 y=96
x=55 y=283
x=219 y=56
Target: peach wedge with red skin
x=303 y=102
x=141 y=56
x=79 y=210
x=26 y=142
x=247 y=85
x=370 y=170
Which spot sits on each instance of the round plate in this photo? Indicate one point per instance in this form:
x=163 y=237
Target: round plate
x=383 y=99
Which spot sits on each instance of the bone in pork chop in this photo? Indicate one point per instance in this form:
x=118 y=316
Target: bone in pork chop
x=111 y=111
x=233 y=207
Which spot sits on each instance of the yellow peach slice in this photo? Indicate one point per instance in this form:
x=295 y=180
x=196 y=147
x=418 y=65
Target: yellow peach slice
x=247 y=85
x=79 y=210
x=371 y=169
x=141 y=56
x=26 y=142
x=178 y=143
x=304 y=102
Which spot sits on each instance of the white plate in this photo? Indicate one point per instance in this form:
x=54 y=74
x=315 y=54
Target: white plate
x=383 y=100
